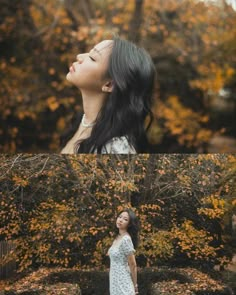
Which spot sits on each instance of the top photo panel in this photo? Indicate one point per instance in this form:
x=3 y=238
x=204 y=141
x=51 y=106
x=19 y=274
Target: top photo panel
x=118 y=77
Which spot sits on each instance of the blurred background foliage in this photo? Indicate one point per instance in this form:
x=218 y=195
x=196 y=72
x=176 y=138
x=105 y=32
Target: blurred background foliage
x=192 y=44
x=61 y=210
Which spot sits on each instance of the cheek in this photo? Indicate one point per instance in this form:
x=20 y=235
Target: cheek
x=82 y=79
x=90 y=76
x=126 y=223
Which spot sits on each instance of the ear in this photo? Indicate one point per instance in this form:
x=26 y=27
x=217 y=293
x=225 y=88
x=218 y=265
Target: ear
x=107 y=87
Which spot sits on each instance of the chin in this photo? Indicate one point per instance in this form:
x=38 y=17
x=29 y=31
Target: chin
x=68 y=76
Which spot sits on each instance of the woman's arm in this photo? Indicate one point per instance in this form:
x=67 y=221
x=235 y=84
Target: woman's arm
x=133 y=270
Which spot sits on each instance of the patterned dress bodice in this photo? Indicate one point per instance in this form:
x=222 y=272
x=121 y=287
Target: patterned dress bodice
x=118 y=145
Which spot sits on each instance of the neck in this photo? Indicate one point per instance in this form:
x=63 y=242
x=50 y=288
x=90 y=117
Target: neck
x=122 y=232
x=92 y=104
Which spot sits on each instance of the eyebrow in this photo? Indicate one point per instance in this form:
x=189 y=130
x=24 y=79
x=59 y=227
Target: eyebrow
x=96 y=50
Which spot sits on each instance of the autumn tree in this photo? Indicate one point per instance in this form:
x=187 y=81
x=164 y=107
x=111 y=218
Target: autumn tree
x=190 y=43
x=60 y=210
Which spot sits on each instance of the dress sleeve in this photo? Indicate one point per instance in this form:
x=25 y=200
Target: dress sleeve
x=118 y=145
x=127 y=246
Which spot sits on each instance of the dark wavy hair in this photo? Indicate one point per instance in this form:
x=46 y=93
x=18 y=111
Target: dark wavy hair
x=133 y=226
x=126 y=108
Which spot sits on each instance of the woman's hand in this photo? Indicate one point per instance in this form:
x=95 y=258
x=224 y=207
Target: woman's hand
x=136 y=289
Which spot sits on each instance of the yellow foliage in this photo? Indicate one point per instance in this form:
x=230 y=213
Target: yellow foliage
x=156 y=245
x=117 y=20
x=52 y=103
x=213 y=77
x=195 y=243
x=51 y=71
x=83 y=33
x=184 y=179
x=183 y=122
x=214 y=207
x=234 y=202
x=9 y=218
x=20 y=181
x=61 y=124
x=153 y=29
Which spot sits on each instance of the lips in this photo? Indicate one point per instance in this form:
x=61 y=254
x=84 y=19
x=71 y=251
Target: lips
x=72 y=68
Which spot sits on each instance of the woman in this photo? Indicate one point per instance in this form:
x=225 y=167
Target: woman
x=123 y=269
x=116 y=80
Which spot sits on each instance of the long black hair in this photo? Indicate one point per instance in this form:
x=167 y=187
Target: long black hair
x=128 y=105
x=133 y=226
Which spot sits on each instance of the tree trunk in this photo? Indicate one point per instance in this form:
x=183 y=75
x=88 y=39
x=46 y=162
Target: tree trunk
x=136 y=22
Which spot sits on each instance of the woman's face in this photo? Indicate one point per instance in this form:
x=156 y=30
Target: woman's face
x=122 y=221
x=90 y=69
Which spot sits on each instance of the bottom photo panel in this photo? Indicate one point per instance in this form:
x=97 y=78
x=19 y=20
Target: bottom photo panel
x=118 y=224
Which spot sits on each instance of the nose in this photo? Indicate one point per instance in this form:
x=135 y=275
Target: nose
x=80 y=57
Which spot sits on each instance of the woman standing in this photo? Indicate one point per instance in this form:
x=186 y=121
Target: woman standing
x=116 y=80
x=123 y=268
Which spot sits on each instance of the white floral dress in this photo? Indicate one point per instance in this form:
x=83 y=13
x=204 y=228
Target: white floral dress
x=118 y=145
x=120 y=276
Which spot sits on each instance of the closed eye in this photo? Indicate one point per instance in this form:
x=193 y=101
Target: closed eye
x=91 y=58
